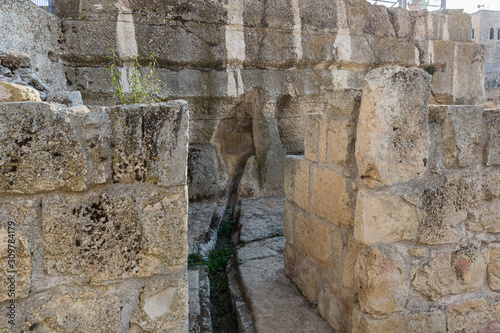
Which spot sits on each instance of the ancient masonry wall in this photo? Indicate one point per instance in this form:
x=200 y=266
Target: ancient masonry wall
x=392 y=220
x=250 y=70
x=95 y=200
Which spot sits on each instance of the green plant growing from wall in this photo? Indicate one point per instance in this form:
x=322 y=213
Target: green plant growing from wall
x=144 y=84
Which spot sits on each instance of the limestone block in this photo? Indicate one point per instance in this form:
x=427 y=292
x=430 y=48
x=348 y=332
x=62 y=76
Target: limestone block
x=297 y=181
x=340 y=141
x=353 y=52
x=150 y=143
x=494 y=270
x=468 y=73
x=441 y=209
x=317 y=48
x=249 y=186
x=71 y=310
x=270 y=155
x=126 y=231
x=69 y=98
x=383 y=218
x=345 y=101
x=350 y=261
x=493 y=128
x=393 y=135
x=15 y=267
x=94 y=130
x=337 y=254
x=279 y=14
x=163 y=304
x=270 y=48
x=459 y=25
x=330 y=199
x=206 y=178
x=461 y=129
x=382 y=283
x=311 y=138
x=451 y=273
x=400 y=19
x=434 y=322
x=307 y=279
x=474 y=316
x=330 y=305
x=14 y=59
x=39 y=149
x=485 y=216
x=391 y=51
x=312 y=238
x=12 y=92
x=318 y=16
x=289 y=214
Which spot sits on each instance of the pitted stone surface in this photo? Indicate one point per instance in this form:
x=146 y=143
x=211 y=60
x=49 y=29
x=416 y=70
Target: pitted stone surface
x=107 y=235
x=393 y=136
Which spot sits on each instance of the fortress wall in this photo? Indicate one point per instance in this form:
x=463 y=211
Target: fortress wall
x=392 y=214
x=94 y=201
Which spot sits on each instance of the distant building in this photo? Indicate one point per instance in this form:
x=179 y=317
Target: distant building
x=486 y=31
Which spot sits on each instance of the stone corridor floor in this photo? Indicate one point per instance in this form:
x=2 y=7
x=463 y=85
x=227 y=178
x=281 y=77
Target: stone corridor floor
x=266 y=300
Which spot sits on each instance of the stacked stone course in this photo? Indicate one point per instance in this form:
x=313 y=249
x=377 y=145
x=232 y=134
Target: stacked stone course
x=392 y=220
x=98 y=197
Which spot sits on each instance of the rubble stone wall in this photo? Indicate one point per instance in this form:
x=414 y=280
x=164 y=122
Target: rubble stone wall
x=251 y=70
x=392 y=220
x=94 y=201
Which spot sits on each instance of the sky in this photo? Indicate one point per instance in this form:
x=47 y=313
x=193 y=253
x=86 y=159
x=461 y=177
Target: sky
x=470 y=6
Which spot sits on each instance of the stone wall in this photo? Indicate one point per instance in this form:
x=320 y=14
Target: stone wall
x=392 y=216
x=250 y=70
x=95 y=202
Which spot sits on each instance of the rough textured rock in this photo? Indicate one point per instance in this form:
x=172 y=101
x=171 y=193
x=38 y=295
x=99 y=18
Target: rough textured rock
x=461 y=126
x=261 y=218
x=451 y=273
x=206 y=180
x=75 y=311
x=384 y=218
x=11 y=92
x=329 y=198
x=494 y=270
x=382 y=283
x=312 y=237
x=434 y=322
x=393 y=135
x=113 y=234
x=493 y=121
x=475 y=315
x=69 y=98
x=203 y=221
x=249 y=186
x=14 y=60
x=200 y=320
x=297 y=181
x=162 y=304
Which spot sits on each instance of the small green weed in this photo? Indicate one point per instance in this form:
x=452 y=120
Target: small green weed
x=431 y=69
x=226 y=228
x=143 y=81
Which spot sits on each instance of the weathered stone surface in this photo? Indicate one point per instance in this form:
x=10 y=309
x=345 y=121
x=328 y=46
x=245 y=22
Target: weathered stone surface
x=199 y=301
x=493 y=127
x=382 y=282
x=474 y=316
x=441 y=209
x=114 y=234
x=261 y=218
x=69 y=98
x=206 y=180
x=203 y=221
x=150 y=143
x=311 y=138
x=249 y=186
x=78 y=311
x=163 y=304
x=461 y=130
x=289 y=212
x=340 y=140
x=15 y=257
x=276 y=303
x=494 y=270
x=297 y=181
x=14 y=60
x=330 y=305
x=383 y=218
x=11 y=92
x=40 y=151
x=329 y=198
x=349 y=277
x=312 y=238
x=393 y=135
x=451 y=273
x=434 y=322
